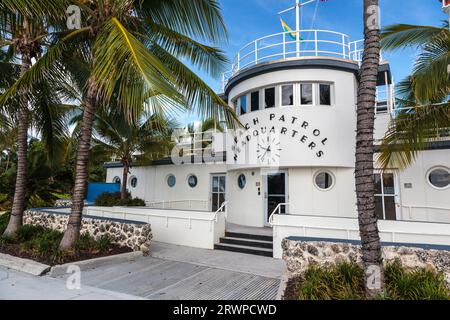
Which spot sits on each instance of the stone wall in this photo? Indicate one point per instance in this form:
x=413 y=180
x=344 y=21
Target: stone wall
x=135 y=235
x=300 y=254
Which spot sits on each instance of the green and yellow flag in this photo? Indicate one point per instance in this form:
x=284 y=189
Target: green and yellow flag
x=287 y=29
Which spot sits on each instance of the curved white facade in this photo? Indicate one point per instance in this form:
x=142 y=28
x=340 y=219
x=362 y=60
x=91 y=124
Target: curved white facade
x=308 y=162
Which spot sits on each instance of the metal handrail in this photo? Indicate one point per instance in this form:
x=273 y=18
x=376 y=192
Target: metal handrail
x=410 y=208
x=220 y=210
x=393 y=233
x=277 y=208
x=252 y=52
x=164 y=202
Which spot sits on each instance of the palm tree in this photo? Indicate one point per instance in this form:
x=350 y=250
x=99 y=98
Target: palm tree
x=423 y=111
x=24 y=26
x=364 y=171
x=133 y=143
x=134 y=50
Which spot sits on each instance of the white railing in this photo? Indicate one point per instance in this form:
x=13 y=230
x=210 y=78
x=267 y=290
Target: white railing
x=179 y=204
x=426 y=210
x=314 y=43
x=222 y=209
x=277 y=210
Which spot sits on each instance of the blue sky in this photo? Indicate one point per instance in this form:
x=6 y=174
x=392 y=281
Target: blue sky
x=248 y=20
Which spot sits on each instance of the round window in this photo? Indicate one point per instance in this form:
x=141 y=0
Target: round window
x=439 y=177
x=171 y=180
x=116 y=180
x=192 y=181
x=324 y=180
x=241 y=181
x=133 y=182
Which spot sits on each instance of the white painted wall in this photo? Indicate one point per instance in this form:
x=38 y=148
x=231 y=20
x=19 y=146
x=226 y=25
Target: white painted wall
x=337 y=123
x=306 y=198
x=180 y=227
x=422 y=193
x=347 y=228
x=152 y=181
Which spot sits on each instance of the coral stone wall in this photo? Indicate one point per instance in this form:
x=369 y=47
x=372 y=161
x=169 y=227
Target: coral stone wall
x=135 y=235
x=300 y=254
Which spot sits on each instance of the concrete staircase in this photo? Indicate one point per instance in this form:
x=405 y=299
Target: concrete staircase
x=256 y=244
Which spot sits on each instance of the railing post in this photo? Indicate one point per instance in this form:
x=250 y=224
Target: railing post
x=256 y=51
x=284 y=45
x=316 y=45
x=343 y=46
x=239 y=61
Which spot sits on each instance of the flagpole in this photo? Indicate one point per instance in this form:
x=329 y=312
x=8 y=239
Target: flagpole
x=297 y=22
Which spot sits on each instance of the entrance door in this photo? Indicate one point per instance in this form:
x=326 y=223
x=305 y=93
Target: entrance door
x=217 y=191
x=276 y=192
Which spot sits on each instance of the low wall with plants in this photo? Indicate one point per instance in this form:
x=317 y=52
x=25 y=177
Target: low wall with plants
x=299 y=255
x=133 y=234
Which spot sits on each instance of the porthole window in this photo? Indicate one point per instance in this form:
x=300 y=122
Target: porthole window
x=192 y=181
x=116 y=180
x=439 y=177
x=324 y=180
x=171 y=181
x=133 y=182
x=242 y=181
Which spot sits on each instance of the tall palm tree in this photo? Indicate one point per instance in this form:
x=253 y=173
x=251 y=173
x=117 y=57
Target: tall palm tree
x=133 y=143
x=135 y=49
x=24 y=25
x=423 y=104
x=364 y=168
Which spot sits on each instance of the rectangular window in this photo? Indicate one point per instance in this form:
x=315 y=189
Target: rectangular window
x=325 y=94
x=243 y=104
x=287 y=95
x=306 y=91
x=385 y=196
x=254 y=101
x=269 y=98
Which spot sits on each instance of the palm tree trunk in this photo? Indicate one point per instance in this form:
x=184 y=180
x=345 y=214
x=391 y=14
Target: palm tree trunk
x=72 y=232
x=16 y=219
x=364 y=170
x=123 y=187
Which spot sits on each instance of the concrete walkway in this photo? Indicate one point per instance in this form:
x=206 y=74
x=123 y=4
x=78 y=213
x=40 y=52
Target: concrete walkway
x=21 y=286
x=182 y=273
x=170 y=272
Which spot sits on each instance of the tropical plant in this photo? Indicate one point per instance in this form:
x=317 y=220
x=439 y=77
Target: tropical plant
x=134 y=143
x=24 y=28
x=423 y=108
x=364 y=167
x=135 y=49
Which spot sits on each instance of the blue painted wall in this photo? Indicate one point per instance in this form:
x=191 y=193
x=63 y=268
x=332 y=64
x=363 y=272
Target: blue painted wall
x=96 y=189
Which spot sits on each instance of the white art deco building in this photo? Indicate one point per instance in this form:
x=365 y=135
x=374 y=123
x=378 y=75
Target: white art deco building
x=291 y=172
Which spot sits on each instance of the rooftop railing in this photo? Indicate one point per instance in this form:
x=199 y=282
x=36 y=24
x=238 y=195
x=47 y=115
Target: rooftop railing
x=315 y=43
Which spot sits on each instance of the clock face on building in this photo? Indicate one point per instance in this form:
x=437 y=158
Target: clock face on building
x=268 y=149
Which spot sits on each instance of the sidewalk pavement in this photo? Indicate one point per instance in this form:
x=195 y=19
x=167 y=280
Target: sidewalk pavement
x=20 y=286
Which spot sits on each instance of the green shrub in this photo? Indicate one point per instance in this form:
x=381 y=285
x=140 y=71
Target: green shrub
x=28 y=232
x=46 y=243
x=345 y=281
x=4 y=219
x=104 y=243
x=419 y=284
x=340 y=282
x=108 y=199
x=35 y=201
x=86 y=242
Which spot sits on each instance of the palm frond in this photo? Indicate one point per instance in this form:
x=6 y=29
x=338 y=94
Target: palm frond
x=410 y=132
x=201 y=19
